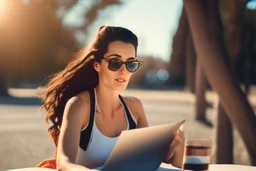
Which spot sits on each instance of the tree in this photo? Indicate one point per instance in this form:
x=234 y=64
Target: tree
x=233 y=22
x=177 y=62
x=222 y=80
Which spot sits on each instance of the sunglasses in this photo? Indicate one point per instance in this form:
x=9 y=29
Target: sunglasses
x=116 y=64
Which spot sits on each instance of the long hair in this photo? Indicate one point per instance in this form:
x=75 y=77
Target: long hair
x=79 y=74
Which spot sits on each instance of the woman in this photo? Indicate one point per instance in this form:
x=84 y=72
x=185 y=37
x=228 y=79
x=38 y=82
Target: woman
x=85 y=107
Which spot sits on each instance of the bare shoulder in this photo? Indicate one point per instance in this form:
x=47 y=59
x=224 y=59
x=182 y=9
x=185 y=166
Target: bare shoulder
x=134 y=105
x=79 y=101
x=137 y=110
x=133 y=101
x=79 y=107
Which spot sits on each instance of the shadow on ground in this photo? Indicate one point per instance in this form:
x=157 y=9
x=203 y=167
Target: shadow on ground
x=10 y=100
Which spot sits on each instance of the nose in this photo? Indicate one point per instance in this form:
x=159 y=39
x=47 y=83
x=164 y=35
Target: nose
x=123 y=69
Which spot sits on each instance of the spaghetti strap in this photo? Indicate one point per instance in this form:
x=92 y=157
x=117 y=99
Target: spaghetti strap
x=85 y=135
x=132 y=123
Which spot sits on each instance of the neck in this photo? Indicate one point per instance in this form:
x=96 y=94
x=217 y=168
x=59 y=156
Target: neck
x=107 y=101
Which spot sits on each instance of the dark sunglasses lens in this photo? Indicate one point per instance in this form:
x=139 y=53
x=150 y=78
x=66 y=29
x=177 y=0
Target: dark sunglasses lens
x=132 y=66
x=114 y=64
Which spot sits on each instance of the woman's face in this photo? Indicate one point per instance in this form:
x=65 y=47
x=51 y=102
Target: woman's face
x=119 y=79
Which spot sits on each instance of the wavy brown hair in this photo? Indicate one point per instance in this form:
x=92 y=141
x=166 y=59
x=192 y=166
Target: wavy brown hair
x=79 y=75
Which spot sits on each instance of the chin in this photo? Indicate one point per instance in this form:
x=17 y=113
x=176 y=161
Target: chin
x=120 y=88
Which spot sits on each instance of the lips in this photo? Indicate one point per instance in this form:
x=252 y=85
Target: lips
x=120 y=80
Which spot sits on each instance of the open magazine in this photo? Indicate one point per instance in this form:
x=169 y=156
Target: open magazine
x=142 y=149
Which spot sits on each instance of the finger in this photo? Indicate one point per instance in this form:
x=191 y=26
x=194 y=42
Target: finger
x=170 y=153
x=172 y=150
x=178 y=142
x=179 y=138
x=181 y=131
x=176 y=159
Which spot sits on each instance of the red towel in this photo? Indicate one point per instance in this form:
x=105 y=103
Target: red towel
x=49 y=163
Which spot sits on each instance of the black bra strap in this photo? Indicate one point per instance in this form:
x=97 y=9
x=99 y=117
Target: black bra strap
x=85 y=135
x=132 y=124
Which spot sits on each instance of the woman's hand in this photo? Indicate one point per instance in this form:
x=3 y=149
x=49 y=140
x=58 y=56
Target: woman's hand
x=176 y=149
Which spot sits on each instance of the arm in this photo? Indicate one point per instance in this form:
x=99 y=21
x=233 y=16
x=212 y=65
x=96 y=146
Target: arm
x=69 y=137
x=176 y=149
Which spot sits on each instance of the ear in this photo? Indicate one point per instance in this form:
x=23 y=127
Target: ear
x=96 y=66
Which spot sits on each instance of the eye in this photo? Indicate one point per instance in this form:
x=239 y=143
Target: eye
x=132 y=59
x=114 y=61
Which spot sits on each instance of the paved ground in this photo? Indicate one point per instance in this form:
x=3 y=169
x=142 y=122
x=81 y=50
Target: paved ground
x=23 y=132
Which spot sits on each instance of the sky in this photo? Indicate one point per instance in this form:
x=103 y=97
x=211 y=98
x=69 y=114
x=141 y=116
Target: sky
x=251 y=5
x=153 y=21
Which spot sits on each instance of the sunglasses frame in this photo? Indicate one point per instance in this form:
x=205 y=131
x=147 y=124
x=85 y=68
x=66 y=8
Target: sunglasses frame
x=137 y=61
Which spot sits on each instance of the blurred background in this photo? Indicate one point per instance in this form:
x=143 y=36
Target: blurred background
x=39 y=37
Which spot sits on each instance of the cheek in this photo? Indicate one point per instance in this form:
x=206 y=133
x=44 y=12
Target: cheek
x=129 y=75
x=105 y=73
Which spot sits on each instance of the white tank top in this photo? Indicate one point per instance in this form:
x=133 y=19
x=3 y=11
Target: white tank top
x=99 y=146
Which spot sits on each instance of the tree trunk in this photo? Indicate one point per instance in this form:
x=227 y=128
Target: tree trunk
x=249 y=57
x=3 y=83
x=177 y=64
x=235 y=23
x=220 y=77
x=190 y=65
x=200 y=93
x=3 y=59
x=201 y=82
x=224 y=139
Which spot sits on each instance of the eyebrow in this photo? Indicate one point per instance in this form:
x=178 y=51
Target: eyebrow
x=119 y=56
